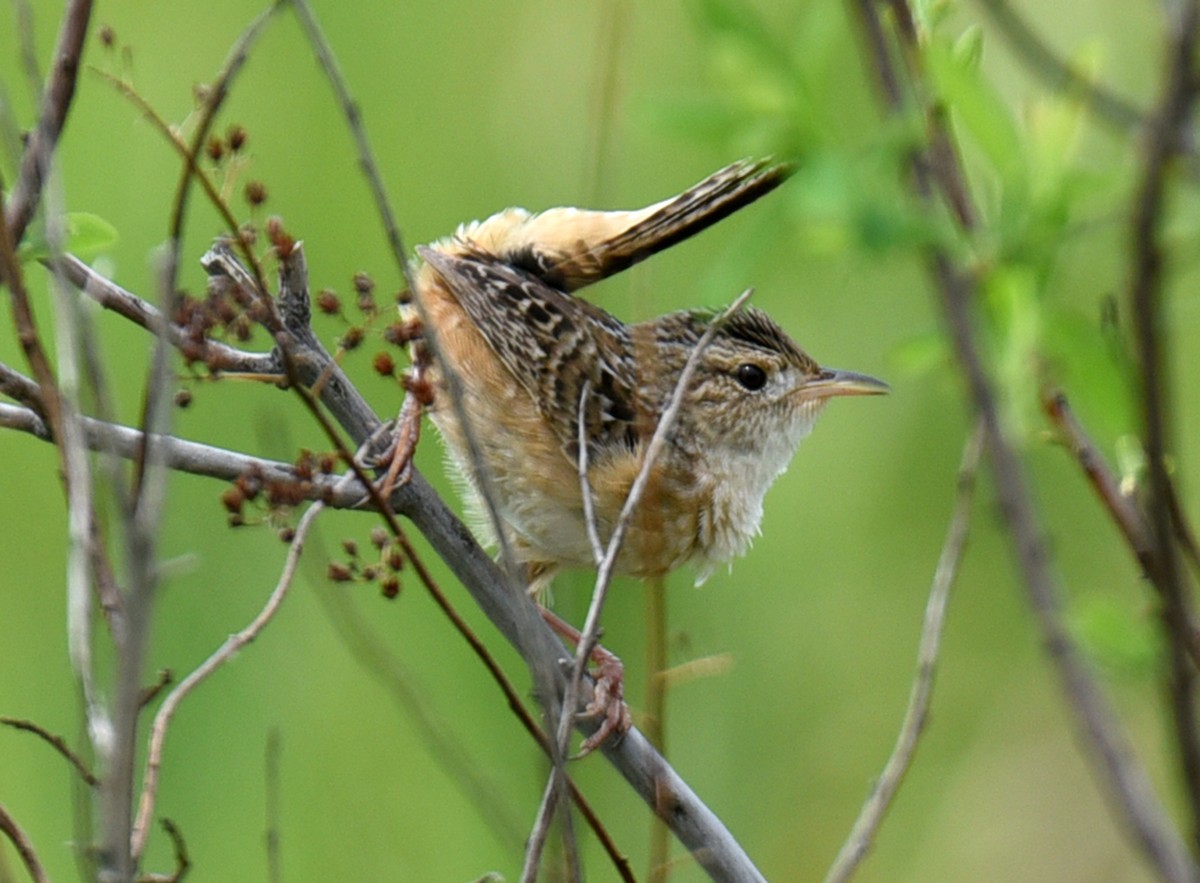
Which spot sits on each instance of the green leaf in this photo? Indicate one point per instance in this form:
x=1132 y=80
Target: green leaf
x=1131 y=462
x=968 y=49
x=981 y=111
x=86 y=235
x=1115 y=636
x=1012 y=298
x=922 y=354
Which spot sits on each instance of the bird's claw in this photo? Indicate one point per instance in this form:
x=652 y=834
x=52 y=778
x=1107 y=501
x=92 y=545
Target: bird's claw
x=608 y=702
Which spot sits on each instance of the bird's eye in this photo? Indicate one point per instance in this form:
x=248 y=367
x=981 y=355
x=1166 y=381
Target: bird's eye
x=750 y=376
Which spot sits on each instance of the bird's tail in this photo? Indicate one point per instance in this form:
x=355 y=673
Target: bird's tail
x=570 y=248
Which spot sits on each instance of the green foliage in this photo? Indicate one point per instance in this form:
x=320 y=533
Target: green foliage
x=1038 y=195
x=1124 y=641
x=85 y=236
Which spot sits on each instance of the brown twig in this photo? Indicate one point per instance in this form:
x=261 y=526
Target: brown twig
x=1128 y=785
x=24 y=846
x=1122 y=509
x=884 y=790
x=56 y=103
x=27 y=331
x=182 y=862
x=58 y=743
x=1163 y=138
x=1184 y=533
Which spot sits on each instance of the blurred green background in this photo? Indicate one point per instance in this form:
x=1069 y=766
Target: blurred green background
x=472 y=107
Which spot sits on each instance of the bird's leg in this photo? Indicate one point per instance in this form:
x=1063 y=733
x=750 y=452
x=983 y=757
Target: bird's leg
x=407 y=433
x=608 y=698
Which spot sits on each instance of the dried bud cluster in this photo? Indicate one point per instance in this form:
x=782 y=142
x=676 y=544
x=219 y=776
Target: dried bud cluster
x=384 y=570
x=277 y=496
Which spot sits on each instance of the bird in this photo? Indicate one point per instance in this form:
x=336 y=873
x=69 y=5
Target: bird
x=544 y=377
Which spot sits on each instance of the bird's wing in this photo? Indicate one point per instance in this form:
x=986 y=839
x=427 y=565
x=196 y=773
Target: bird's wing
x=554 y=345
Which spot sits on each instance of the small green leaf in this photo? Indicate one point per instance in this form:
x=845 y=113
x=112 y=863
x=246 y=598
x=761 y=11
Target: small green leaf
x=1012 y=298
x=921 y=354
x=1115 y=636
x=982 y=112
x=968 y=49
x=89 y=235
x=1131 y=462
x=86 y=235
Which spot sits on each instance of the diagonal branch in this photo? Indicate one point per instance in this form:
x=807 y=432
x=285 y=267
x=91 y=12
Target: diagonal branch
x=1039 y=58
x=1162 y=144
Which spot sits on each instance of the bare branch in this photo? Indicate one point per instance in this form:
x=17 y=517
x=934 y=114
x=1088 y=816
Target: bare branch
x=223 y=654
x=24 y=846
x=871 y=816
x=215 y=355
x=1163 y=137
x=56 y=102
x=1120 y=507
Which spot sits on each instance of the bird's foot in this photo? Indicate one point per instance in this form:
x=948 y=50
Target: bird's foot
x=608 y=701
x=406 y=434
x=608 y=694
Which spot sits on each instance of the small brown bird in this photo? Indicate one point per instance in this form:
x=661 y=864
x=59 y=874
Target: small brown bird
x=535 y=364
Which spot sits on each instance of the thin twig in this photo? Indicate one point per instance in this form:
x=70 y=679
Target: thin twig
x=862 y=835
x=1058 y=74
x=56 y=102
x=223 y=654
x=655 y=710
x=215 y=355
x=585 y=486
x=179 y=846
x=589 y=635
x=271 y=837
x=210 y=189
x=58 y=743
x=1163 y=137
x=1121 y=509
x=1184 y=533
x=62 y=418
x=24 y=846
x=591 y=627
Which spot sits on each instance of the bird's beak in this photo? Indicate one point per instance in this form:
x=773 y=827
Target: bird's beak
x=832 y=382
